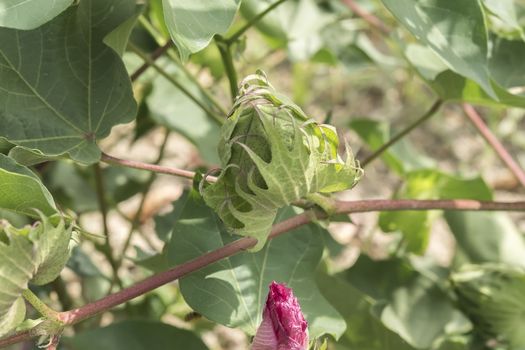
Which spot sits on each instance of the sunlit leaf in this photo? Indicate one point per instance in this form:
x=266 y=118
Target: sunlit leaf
x=193 y=23
x=454 y=30
x=29 y=14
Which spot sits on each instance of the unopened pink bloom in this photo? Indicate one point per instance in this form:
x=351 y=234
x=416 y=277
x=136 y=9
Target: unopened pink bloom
x=283 y=326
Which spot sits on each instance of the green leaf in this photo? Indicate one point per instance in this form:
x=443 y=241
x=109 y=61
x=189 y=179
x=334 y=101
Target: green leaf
x=62 y=104
x=428 y=184
x=135 y=335
x=168 y=106
x=492 y=296
x=364 y=331
x=487 y=237
x=454 y=30
x=29 y=14
x=507 y=74
x=401 y=157
x=119 y=37
x=503 y=18
x=405 y=298
x=33 y=254
x=233 y=291
x=21 y=190
x=193 y=23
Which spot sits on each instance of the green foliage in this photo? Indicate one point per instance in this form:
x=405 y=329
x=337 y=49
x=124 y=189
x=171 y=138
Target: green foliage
x=62 y=104
x=428 y=184
x=239 y=284
x=64 y=86
x=193 y=23
x=33 y=254
x=30 y=14
x=272 y=155
x=168 y=106
x=492 y=296
x=136 y=335
x=21 y=190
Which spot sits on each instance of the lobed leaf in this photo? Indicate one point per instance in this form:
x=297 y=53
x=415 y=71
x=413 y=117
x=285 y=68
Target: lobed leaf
x=62 y=104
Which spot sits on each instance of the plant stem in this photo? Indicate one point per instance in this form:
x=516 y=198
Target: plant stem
x=77 y=315
x=65 y=299
x=156 y=54
x=403 y=133
x=136 y=219
x=151 y=167
x=159 y=38
x=227 y=61
x=40 y=306
x=106 y=249
x=180 y=86
x=235 y=36
x=374 y=21
x=493 y=141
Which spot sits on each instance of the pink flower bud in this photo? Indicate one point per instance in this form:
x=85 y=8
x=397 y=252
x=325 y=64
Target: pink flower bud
x=283 y=326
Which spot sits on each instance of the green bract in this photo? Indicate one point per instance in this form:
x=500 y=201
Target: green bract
x=33 y=254
x=272 y=155
x=492 y=296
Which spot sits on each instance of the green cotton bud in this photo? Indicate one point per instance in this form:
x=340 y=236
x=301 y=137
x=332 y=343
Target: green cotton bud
x=272 y=154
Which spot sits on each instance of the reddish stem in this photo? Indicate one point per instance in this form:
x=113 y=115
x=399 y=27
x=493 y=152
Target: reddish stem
x=152 y=167
x=368 y=17
x=493 y=141
x=149 y=284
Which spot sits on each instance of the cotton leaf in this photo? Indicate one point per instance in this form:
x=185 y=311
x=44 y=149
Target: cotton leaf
x=33 y=254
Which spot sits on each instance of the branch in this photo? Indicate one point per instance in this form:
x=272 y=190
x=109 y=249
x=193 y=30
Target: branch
x=151 y=167
x=493 y=141
x=227 y=62
x=374 y=21
x=156 y=54
x=106 y=248
x=183 y=89
x=77 y=315
x=235 y=36
x=403 y=133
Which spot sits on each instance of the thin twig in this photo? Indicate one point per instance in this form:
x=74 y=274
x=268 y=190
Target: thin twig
x=136 y=219
x=176 y=83
x=403 y=133
x=235 y=36
x=151 y=167
x=159 y=39
x=106 y=249
x=227 y=62
x=493 y=141
x=374 y=21
x=77 y=315
x=156 y=54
